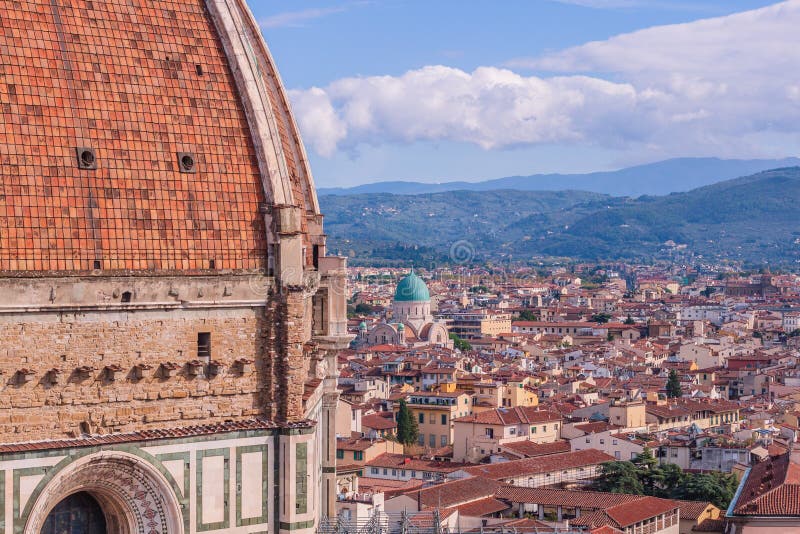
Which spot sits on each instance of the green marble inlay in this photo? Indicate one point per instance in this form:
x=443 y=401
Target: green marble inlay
x=225 y=523
x=2 y=494
x=184 y=457
x=264 y=517
x=18 y=517
x=301 y=478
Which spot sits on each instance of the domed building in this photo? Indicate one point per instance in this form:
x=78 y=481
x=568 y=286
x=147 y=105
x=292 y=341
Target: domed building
x=411 y=323
x=170 y=318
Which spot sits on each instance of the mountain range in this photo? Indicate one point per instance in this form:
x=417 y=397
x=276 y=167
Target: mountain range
x=753 y=220
x=661 y=178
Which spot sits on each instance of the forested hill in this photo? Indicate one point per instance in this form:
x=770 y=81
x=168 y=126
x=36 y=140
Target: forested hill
x=755 y=219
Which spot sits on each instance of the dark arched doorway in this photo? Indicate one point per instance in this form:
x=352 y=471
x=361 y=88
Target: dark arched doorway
x=79 y=513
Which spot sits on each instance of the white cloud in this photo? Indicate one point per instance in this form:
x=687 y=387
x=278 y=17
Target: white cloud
x=725 y=86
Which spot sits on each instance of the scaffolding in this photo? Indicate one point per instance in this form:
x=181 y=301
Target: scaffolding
x=427 y=522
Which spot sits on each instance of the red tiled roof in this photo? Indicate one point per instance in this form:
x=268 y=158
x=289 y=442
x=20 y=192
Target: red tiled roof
x=529 y=449
x=627 y=514
x=540 y=464
x=772 y=488
x=569 y=498
x=137 y=104
x=511 y=416
x=483 y=507
x=692 y=509
x=456 y=493
x=148 y=435
x=378 y=422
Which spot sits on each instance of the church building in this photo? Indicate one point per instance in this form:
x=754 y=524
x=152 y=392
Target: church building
x=169 y=317
x=411 y=323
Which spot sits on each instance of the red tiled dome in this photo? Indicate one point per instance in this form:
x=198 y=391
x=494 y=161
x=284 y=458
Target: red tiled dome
x=138 y=82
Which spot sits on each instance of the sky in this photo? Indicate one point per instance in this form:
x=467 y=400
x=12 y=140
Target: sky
x=441 y=90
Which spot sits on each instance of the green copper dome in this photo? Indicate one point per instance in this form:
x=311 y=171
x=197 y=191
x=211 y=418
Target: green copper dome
x=412 y=289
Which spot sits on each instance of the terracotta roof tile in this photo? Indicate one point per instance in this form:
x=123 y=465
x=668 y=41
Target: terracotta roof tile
x=455 y=493
x=511 y=416
x=540 y=464
x=138 y=82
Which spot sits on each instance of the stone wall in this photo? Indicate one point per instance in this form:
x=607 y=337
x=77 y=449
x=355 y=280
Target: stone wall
x=109 y=396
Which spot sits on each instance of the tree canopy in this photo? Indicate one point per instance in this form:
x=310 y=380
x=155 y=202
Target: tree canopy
x=643 y=476
x=407 y=427
x=460 y=344
x=674 y=389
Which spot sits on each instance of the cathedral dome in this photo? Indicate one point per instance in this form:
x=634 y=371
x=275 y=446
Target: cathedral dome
x=412 y=289
x=163 y=153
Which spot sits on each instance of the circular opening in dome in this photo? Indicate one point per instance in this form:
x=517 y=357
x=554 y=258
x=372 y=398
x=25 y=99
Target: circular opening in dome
x=87 y=158
x=188 y=162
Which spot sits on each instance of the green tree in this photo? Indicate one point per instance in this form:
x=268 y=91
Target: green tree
x=528 y=315
x=645 y=464
x=364 y=309
x=666 y=479
x=601 y=318
x=718 y=488
x=460 y=344
x=674 y=390
x=407 y=427
x=619 y=477
x=630 y=320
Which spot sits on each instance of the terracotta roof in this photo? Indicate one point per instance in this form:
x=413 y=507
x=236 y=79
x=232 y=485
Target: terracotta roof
x=772 y=488
x=569 y=498
x=692 y=509
x=378 y=422
x=511 y=416
x=456 y=493
x=529 y=449
x=483 y=507
x=628 y=513
x=148 y=435
x=138 y=82
x=540 y=464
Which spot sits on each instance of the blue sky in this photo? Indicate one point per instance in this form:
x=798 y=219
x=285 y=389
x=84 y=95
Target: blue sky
x=474 y=89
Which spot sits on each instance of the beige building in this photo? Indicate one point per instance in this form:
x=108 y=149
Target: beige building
x=170 y=317
x=434 y=413
x=481 y=434
x=478 y=324
x=492 y=395
x=668 y=415
x=629 y=414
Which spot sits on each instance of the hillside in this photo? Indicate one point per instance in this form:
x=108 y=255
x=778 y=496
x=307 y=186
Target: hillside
x=661 y=178
x=754 y=219
x=425 y=226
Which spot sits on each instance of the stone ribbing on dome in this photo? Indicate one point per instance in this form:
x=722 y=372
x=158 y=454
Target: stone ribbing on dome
x=412 y=289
